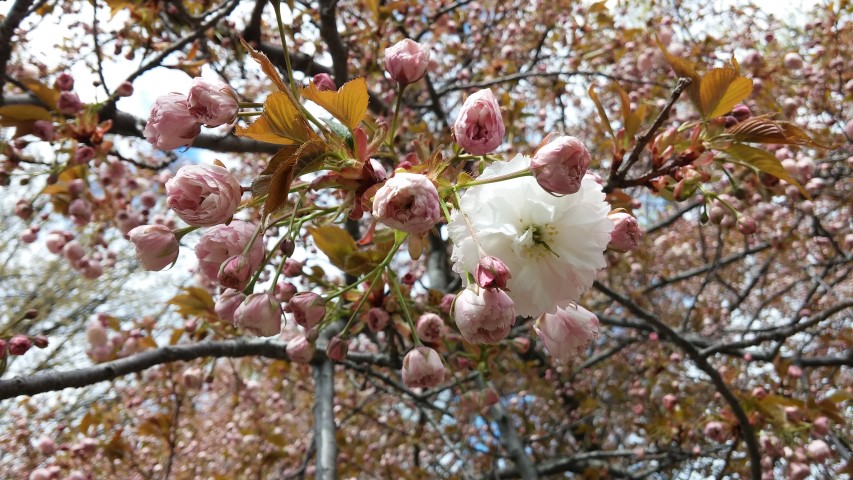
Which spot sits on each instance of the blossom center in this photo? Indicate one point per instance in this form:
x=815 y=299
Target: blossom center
x=533 y=244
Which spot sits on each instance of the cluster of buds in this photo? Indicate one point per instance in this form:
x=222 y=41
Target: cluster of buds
x=18 y=345
x=176 y=119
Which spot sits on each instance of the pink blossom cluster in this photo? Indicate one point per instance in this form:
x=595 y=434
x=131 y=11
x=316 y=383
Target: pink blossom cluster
x=176 y=119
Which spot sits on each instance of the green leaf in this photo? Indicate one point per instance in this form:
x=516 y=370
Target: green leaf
x=335 y=242
x=721 y=89
x=764 y=161
x=196 y=301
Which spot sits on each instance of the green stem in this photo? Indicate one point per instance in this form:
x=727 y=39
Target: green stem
x=276 y=5
x=509 y=176
x=250 y=105
x=249 y=114
x=360 y=303
x=396 y=287
x=397 y=106
x=378 y=268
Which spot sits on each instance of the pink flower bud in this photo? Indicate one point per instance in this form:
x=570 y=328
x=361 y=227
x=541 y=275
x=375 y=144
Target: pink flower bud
x=819 y=450
x=64 y=82
x=337 y=349
x=148 y=199
x=848 y=130
x=285 y=291
x=227 y=304
x=96 y=333
x=423 y=368
x=40 y=474
x=54 y=242
x=626 y=234
x=29 y=236
x=260 y=314
x=479 y=128
x=300 y=350
x=292 y=268
x=377 y=319
x=430 y=328
x=308 y=309
x=192 y=378
x=714 y=431
x=69 y=103
x=447 y=302
x=44 y=130
x=669 y=401
x=223 y=241
x=234 y=272
x=406 y=61
x=19 y=345
x=125 y=89
x=489 y=397
x=821 y=425
x=73 y=251
x=795 y=371
x=80 y=212
x=741 y=112
x=204 y=195
x=560 y=165
x=83 y=154
x=212 y=103
x=567 y=332
x=156 y=246
x=46 y=445
x=492 y=273
x=408 y=202
x=484 y=316
x=792 y=61
x=40 y=341
x=798 y=471
x=170 y=124
x=324 y=82
x=793 y=414
x=746 y=225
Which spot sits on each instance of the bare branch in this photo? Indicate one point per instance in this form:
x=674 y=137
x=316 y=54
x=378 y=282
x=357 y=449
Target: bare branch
x=16 y=14
x=509 y=437
x=324 y=420
x=52 y=381
x=702 y=363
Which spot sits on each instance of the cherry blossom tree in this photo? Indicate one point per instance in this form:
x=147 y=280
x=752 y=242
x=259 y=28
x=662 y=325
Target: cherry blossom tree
x=439 y=239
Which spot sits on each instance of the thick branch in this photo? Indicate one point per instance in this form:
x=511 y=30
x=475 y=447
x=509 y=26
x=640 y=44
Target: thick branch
x=324 y=419
x=702 y=363
x=7 y=29
x=52 y=381
x=512 y=442
x=329 y=33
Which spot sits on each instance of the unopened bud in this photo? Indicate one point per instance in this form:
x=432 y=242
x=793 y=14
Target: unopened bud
x=337 y=349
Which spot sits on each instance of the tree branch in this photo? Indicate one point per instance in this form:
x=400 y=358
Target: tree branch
x=324 y=419
x=701 y=362
x=509 y=437
x=616 y=178
x=14 y=18
x=243 y=347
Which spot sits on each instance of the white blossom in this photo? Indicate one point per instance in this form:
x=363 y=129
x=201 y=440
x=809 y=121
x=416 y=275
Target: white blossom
x=552 y=245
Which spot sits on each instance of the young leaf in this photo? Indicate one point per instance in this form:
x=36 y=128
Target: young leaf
x=266 y=66
x=282 y=122
x=763 y=161
x=348 y=104
x=289 y=163
x=23 y=112
x=684 y=68
x=601 y=113
x=335 y=242
x=196 y=301
x=721 y=89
